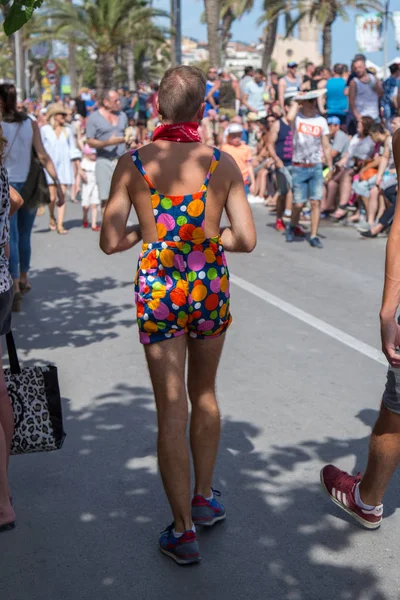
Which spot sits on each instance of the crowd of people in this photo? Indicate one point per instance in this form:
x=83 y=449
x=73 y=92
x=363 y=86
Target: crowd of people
x=309 y=146
x=295 y=143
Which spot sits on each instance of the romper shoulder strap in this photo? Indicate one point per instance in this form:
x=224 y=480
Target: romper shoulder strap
x=214 y=164
x=138 y=164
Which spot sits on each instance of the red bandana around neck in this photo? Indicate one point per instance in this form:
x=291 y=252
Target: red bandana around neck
x=177 y=132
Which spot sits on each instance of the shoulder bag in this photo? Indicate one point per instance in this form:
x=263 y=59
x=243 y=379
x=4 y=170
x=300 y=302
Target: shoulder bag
x=35 y=397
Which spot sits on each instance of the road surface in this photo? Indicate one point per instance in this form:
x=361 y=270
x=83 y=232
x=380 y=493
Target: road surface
x=299 y=386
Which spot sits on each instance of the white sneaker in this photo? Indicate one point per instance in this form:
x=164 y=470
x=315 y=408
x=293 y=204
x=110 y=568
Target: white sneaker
x=251 y=198
x=255 y=199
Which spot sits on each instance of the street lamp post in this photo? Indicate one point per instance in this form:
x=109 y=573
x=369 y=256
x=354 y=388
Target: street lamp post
x=385 y=38
x=178 y=27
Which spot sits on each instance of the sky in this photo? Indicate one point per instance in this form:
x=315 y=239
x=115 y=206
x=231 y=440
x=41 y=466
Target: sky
x=247 y=30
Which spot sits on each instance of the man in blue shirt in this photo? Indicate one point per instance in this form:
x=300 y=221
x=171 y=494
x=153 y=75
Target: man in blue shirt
x=253 y=98
x=390 y=90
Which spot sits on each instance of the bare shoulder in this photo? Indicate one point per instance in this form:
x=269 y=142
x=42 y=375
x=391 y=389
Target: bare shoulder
x=228 y=167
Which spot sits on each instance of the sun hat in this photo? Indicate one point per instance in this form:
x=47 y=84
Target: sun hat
x=334 y=120
x=252 y=116
x=234 y=128
x=312 y=95
x=56 y=109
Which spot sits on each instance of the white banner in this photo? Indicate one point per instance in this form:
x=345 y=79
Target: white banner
x=369 y=32
x=396 y=22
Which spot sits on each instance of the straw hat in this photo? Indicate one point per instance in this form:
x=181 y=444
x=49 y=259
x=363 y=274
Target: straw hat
x=56 y=109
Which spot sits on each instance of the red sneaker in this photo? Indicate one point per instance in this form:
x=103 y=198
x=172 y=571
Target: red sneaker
x=280 y=225
x=340 y=487
x=85 y=224
x=299 y=232
x=96 y=228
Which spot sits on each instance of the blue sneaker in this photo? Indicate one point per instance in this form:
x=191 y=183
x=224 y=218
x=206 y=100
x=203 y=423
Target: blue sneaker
x=207 y=512
x=315 y=242
x=289 y=233
x=184 y=550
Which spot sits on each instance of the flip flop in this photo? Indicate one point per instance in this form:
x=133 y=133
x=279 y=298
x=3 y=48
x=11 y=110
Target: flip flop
x=52 y=225
x=61 y=231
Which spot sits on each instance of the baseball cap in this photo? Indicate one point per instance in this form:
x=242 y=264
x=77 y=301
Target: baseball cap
x=333 y=121
x=234 y=128
x=292 y=64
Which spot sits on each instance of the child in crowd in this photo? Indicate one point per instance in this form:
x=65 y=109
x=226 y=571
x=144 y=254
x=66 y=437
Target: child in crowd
x=90 y=192
x=242 y=154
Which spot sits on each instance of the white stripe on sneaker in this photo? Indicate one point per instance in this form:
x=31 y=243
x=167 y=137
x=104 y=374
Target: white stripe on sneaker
x=339 y=495
x=344 y=499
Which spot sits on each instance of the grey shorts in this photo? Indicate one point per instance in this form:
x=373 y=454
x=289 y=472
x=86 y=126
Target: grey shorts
x=391 y=395
x=104 y=172
x=6 y=300
x=284 y=181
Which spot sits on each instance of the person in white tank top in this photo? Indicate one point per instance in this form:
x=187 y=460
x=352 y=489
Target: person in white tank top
x=22 y=135
x=365 y=90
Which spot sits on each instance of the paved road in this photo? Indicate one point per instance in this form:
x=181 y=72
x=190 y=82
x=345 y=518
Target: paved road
x=292 y=397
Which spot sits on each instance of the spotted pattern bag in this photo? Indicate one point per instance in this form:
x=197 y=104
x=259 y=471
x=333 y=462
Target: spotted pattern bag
x=35 y=397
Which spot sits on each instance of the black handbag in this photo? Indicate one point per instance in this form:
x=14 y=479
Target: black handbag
x=35 y=191
x=35 y=397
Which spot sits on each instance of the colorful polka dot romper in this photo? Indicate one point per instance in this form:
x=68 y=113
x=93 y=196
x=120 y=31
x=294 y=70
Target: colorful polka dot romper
x=182 y=282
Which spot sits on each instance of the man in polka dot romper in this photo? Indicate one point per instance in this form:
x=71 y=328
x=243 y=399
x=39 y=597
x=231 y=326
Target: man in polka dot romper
x=179 y=189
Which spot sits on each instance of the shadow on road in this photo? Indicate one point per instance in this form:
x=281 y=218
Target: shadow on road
x=63 y=310
x=99 y=519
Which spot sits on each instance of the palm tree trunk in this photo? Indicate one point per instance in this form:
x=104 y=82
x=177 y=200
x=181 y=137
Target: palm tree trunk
x=327 y=39
x=212 y=17
x=269 y=44
x=226 y=32
x=130 y=63
x=105 y=68
x=72 y=66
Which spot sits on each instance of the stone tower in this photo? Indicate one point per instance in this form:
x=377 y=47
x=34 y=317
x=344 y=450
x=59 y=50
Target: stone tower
x=309 y=29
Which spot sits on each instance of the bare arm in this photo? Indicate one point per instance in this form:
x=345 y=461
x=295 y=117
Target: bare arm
x=16 y=201
x=390 y=330
x=246 y=104
x=352 y=99
x=327 y=150
x=271 y=141
x=112 y=141
x=240 y=236
x=281 y=92
x=292 y=114
x=115 y=235
x=383 y=163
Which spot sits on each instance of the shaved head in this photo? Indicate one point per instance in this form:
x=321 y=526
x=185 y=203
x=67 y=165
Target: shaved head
x=181 y=94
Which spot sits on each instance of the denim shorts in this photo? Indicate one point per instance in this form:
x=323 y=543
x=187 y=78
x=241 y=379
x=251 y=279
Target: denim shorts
x=308 y=183
x=391 y=395
x=284 y=180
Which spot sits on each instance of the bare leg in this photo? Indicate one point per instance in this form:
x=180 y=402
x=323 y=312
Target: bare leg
x=372 y=204
x=85 y=210
x=289 y=200
x=384 y=457
x=280 y=206
x=61 y=212
x=166 y=361
x=382 y=206
x=315 y=216
x=94 y=215
x=205 y=425
x=52 y=206
x=103 y=206
x=331 y=194
x=262 y=183
x=345 y=186
x=296 y=212
x=7 y=514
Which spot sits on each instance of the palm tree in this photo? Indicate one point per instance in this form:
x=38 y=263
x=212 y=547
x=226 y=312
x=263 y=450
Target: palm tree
x=212 y=19
x=103 y=26
x=230 y=11
x=324 y=11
